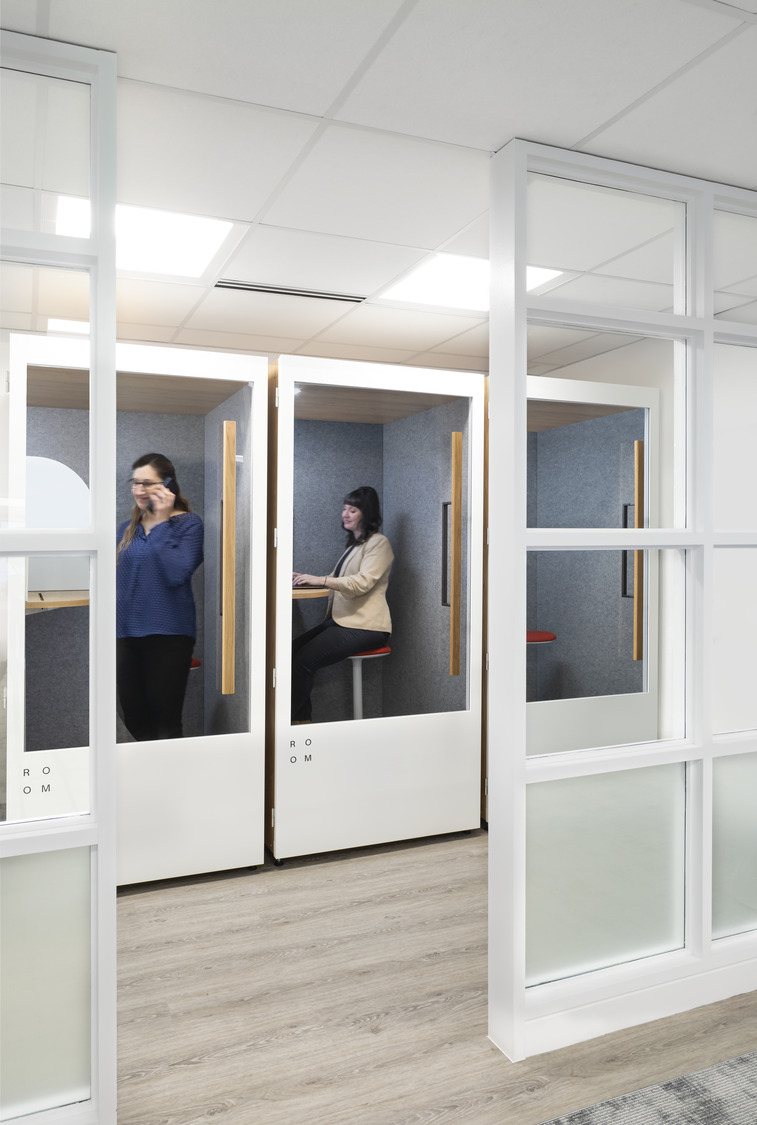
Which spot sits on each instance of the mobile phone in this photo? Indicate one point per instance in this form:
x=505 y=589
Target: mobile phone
x=171 y=485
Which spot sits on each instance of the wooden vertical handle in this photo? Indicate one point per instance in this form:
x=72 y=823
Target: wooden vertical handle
x=638 y=556
x=228 y=559
x=456 y=554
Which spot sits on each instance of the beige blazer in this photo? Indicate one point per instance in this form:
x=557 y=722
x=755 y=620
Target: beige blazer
x=359 y=602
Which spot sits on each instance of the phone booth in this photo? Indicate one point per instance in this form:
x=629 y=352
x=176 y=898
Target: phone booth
x=184 y=805
x=392 y=750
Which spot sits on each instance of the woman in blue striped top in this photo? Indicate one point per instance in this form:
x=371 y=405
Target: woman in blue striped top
x=159 y=549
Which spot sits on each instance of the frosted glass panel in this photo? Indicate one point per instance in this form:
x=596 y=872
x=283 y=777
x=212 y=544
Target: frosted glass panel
x=607 y=247
x=735 y=437
x=45 y=143
x=734 y=874
x=605 y=875
x=735 y=629
x=44 y=431
x=45 y=978
x=735 y=267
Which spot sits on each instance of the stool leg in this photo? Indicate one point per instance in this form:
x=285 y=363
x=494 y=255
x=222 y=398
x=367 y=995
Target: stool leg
x=357 y=687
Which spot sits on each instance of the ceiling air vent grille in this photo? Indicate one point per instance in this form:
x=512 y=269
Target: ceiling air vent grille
x=285 y=291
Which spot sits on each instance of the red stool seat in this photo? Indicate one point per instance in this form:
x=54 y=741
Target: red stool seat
x=539 y=637
x=372 y=652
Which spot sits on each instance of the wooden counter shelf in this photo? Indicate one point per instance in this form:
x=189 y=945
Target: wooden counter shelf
x=56 y=599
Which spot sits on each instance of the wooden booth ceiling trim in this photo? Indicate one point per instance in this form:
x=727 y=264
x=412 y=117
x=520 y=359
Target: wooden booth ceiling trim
x=150 y=394
x=316 y=403
x=550 y=415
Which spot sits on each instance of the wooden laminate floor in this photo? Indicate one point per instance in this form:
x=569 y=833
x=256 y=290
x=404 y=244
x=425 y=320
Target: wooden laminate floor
x=350 y=989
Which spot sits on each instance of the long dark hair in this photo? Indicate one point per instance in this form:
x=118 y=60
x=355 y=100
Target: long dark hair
x=164 y=468
x=366 y=499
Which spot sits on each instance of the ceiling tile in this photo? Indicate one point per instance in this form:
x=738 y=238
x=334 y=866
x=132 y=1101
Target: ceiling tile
x=473 y=241
x=479 y=74
x=225 y=310
x=395 y=328
x=154 y=302
x=236 y=341
x=703 y=124
x=451 y=362
x=384 y=188
x=201 y=155
x=325 y=263
x=355 y=351
x=291 y=53
x=145 y=333
x=474 y=342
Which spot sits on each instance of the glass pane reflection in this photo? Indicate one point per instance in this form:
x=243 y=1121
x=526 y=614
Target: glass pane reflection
x=44 y=663
x=614 y=674
x=609 y=247
x=45 y=140
x=735 y=437
x=735 y=267
x=400 y=444
x=735 y=627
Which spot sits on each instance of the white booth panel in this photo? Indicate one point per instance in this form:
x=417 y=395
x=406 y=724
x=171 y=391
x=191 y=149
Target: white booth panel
x=196 y=803
x=412 y=766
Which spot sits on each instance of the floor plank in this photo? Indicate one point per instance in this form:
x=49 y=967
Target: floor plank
x=350 y=989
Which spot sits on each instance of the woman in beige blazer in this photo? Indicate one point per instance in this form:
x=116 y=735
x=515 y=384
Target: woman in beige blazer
x=357 y=617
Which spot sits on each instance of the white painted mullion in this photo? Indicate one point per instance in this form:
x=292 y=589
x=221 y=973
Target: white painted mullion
x=507 y=607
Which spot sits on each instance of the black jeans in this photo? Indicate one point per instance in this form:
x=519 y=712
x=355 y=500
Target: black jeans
x=327 y=643
x=151 y=674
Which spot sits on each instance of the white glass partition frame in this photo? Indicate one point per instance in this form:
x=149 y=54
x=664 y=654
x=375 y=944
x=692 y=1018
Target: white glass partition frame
x=400 y=777
x=195 y=804
x=94 y=830
x=525 y=1022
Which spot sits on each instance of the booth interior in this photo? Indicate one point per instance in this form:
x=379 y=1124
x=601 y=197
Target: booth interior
x=184 y=419
x=581 y=474
x=604 y=435
x=400 y=444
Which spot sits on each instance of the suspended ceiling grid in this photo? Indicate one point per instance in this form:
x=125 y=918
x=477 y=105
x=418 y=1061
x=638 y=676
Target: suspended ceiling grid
x=352 y=140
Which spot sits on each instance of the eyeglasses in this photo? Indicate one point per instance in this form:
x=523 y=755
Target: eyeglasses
x=144 y=483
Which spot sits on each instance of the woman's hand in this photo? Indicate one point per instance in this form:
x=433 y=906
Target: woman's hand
x=162 y=502
x=307 y=579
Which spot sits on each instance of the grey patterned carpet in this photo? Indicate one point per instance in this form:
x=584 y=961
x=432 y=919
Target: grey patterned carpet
x=721 y=1095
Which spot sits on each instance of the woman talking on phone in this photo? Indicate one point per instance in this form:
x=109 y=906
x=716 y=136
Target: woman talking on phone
x=159 y=549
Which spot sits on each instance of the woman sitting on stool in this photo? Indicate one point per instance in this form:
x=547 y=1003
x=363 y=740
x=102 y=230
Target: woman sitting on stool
x=357 y=617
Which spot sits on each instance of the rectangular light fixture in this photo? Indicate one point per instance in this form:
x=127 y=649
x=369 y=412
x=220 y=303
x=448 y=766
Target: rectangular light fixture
x=156 y=243
x=70 y=327
x=456 y=282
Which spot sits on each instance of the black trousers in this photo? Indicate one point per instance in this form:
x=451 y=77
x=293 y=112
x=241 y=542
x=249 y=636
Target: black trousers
x=327 y=643
x=151 y=674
